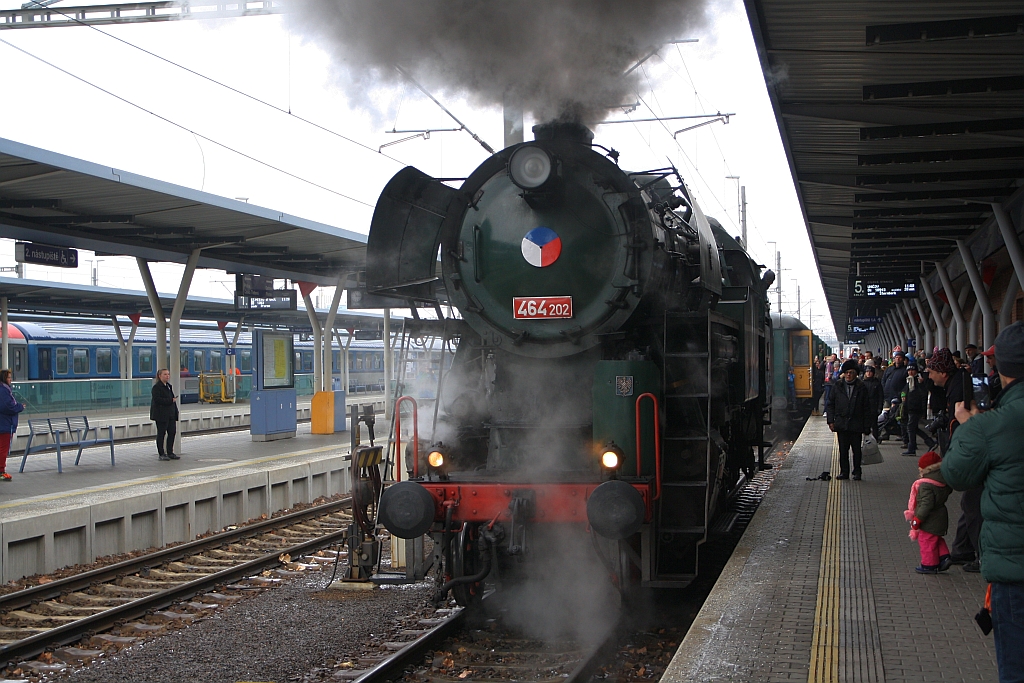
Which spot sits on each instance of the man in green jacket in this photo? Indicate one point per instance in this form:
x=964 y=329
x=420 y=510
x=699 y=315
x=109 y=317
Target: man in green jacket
x=986 y=450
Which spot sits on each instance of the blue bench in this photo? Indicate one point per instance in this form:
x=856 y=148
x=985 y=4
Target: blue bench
x=66 y=432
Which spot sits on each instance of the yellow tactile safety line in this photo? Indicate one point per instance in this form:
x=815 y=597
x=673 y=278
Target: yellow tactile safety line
x=825 y=642
x=166 y=477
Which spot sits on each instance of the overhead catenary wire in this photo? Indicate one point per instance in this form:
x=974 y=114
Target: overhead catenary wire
x=287 y=112
x=183 y=127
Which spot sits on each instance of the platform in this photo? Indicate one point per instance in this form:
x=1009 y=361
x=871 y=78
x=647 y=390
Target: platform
x=134 y=423
x=821 y=587
x=50 y=520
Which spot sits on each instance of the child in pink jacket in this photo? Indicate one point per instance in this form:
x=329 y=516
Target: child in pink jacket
x=926 y=512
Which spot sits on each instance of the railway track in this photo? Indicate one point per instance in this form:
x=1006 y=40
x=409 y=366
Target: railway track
x=470 y=644
x=64 y=611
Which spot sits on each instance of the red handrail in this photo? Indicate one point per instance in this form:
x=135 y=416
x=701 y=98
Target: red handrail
x=415 y=438
x=657 y=440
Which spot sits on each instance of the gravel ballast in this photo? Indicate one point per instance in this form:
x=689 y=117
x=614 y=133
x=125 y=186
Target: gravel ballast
x=295 y=632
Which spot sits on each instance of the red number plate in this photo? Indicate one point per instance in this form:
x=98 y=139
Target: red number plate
x=532 y=307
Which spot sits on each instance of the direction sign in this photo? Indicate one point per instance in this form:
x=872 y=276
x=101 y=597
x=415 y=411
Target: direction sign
x=45 y=255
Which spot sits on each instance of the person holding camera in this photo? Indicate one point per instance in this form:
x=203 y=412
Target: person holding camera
x=849 y=415
x=985 y=454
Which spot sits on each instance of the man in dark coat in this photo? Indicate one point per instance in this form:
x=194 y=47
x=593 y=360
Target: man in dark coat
x=875 y=399
x=163 y=410
x=849 y=416
x=915 y=405
x=975 y=361
x=894 y=378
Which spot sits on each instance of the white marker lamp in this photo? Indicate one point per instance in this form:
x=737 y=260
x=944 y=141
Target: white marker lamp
x=530 y=167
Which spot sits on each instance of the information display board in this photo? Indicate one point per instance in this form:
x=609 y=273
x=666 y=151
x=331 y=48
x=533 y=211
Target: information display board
x=280 y=300
x=273 y=361
x=882 y=288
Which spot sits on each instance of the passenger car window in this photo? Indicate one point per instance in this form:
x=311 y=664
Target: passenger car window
x=104 y=361
x=80 y=361
x=62 y=361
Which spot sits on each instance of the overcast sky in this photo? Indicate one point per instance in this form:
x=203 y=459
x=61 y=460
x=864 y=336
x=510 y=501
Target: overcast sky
x=339 y=181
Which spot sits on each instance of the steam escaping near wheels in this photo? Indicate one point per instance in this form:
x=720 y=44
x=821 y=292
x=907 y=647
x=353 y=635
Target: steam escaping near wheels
x=407 y=510
x=615 y=510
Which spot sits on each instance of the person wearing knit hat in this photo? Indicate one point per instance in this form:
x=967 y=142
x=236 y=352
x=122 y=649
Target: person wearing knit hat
x=985 y=454
x=926 y=512
x=849 y=415
x=994 y=385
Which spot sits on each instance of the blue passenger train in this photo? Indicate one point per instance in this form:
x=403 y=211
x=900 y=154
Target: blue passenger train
x=71 y=351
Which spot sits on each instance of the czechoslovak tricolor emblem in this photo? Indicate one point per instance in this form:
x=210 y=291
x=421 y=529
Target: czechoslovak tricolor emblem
x=541 y=247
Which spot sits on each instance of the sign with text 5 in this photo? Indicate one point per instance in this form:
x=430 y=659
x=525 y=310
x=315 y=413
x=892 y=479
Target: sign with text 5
x=534 y=307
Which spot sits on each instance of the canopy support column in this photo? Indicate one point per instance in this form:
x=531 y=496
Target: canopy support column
x=954 y=306
x=929 y=328
x=389 y=365
x=988 y=318
x=158 y=315
x=1009 y=297
x=305 y=288
x=175 y=329
x=1010 y=239
x=332 y=312
x=933 y=304
x=4 y=335
x=908 y=317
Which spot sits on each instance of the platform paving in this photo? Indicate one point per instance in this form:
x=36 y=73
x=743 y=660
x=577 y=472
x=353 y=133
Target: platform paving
x=821 y=587
x=204 y=457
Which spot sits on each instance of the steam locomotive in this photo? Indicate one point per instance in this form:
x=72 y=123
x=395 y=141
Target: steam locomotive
x=612 y=363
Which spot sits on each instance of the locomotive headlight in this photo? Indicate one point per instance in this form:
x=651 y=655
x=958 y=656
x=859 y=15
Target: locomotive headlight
x=435 y=459
x=529 y=167
x=611 y=457
x=437 y=456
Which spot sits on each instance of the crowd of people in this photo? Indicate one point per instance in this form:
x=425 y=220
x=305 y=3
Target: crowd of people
x=968 y=410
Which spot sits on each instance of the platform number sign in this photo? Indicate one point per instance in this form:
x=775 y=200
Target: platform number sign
x=541 y=307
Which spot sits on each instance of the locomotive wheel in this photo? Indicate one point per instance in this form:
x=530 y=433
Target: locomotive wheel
x=466 y=562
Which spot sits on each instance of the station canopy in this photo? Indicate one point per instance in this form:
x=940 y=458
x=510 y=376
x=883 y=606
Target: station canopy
x=54 y=199
x=902 y=122
x=88 y=303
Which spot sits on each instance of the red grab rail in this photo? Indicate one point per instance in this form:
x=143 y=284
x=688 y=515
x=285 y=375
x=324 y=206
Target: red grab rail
x=657 y=440
x=415 y=438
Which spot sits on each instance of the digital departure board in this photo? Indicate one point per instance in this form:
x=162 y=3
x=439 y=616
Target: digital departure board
x=882 y=288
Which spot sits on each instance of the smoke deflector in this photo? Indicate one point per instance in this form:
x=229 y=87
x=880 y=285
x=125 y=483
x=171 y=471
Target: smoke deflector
x=407 y=221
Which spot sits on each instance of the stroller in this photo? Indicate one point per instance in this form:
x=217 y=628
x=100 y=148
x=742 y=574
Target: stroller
x=889 y=420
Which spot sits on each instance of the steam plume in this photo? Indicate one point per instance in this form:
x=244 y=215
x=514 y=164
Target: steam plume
x=558 y=59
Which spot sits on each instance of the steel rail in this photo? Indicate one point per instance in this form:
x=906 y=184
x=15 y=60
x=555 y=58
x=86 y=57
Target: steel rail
x=74 y=631
x=412 y=654
x=70 y=584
